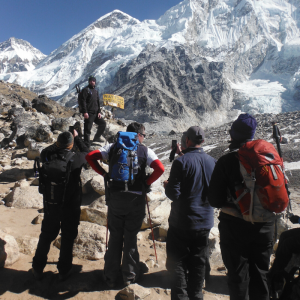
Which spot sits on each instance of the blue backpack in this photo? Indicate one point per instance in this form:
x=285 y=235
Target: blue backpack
x=123 y=160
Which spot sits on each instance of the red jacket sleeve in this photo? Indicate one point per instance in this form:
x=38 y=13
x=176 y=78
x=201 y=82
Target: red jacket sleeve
x=158 y=171
x=92 y=158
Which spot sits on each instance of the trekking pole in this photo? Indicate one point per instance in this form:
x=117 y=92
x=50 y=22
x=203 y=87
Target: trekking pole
x=151 y=230
x=277 y=138
x=106 y=234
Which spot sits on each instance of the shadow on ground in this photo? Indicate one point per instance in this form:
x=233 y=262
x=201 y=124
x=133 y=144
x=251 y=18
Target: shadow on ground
x=217 y=284
x=50 y=287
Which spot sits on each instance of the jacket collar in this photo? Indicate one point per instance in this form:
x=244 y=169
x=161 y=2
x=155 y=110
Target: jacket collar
x=236 y=145
x=192 y=149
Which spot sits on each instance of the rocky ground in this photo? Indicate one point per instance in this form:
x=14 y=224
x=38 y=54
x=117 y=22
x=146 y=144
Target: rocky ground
x=29 y=123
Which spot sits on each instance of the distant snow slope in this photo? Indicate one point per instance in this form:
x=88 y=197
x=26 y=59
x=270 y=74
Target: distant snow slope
x=256 y=42
x=18 y=55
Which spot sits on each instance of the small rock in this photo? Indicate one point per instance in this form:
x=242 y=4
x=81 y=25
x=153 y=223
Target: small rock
x=38 y=219
x=150 y=262
x=134 y=292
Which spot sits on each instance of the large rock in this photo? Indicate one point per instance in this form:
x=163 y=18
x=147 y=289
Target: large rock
x=62 y=124
x=97 y=184
x=111 y=131
x=25 y=197
x=134 y=292
x=159 y=215
x=42 y=105
x=27 y=244
x=86 y=178
x=41 y=133
x=89 y=243
x=157 y=194
x=9 y=250
x=93 y=215
x=15 y=174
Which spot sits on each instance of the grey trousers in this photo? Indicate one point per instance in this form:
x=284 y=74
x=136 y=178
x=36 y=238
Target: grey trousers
x=126 y=212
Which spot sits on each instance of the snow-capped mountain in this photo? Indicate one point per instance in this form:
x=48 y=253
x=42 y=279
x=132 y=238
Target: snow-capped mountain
x=17 y=55
x=205 y=59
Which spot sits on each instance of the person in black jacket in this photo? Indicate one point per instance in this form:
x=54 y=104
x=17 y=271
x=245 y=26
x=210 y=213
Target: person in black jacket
x=63 y=216
x=91 y=112
x=246 y=248
x=191 y=218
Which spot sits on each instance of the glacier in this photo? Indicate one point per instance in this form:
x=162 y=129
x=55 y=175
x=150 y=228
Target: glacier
x=258 y=42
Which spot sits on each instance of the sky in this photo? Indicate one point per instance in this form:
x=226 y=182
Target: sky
x=46 y=24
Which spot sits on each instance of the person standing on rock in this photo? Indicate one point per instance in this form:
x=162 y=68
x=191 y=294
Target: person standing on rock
x=191 y=218
x=246 y=248
x=61 y=216
x=126 y=210
x=90 y=104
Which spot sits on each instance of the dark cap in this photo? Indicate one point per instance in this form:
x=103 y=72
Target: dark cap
x=243 y=128
x=65 y=140
x=196 y=134
x=92 y=78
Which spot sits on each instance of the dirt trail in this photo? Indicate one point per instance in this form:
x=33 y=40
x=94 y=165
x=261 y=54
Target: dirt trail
x=85 y=283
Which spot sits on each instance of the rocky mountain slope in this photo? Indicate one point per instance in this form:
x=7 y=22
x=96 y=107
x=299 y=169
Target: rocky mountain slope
x=17 y=55
x=248 y=51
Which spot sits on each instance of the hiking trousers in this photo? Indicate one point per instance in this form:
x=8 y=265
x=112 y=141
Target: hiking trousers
x=88 y=124
x=66 y=219
x=186 y=261
x=126 y=212
x=246 y=249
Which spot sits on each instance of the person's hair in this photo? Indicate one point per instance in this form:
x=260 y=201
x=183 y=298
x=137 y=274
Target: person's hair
x=135 y=127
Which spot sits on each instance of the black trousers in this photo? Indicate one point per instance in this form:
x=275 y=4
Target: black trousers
x=289 y=243
x=246 y=249
x=88 y=124
x=126 y=212
x=186 y=261
x=66 y=219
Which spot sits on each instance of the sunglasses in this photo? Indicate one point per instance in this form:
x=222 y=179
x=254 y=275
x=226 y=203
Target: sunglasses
x=143 y=134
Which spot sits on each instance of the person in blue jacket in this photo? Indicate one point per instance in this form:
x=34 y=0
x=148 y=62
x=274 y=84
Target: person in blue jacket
x=191 y=218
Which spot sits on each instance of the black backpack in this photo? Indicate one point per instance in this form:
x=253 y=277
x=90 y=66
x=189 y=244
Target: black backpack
x=54 y=177
x=80 y=98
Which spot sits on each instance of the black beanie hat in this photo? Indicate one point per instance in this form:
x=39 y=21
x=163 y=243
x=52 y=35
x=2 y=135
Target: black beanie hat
x=92 y=78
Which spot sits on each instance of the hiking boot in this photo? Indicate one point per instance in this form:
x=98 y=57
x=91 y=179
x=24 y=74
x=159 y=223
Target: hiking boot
x=37 y=275
x=63 y=277
x=98 y=140
x=143 y=267
x=109 y=283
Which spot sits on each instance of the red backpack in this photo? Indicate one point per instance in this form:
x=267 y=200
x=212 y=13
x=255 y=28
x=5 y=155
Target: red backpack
x=262 y=194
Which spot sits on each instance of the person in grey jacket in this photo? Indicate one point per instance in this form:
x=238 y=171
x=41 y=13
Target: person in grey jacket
x=191 y=218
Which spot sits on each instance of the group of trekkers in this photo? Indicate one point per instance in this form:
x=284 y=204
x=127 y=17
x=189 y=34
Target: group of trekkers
x=197 y=184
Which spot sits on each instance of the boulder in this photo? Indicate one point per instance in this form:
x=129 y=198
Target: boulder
x=16 y=111
x=99 y=203
x=15 y=174
x=27 y=244
x=93 y=215
x=156 y=194
x=159 y=215
x=40 y=133
x=34 y=150
x=62 y=124
x=2 y=136
x=97 y=184
x=42 y=105
x=9 y=250
x=163 y=229
x=22 y=183
x=25 y=197
x=134 y=292
x=89 y=243
x=86 y=178
x=111 y=131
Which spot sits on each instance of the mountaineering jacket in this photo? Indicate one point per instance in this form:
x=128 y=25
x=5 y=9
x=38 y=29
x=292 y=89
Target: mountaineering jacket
x=90 y=100
x=187 y=188
x=73 y=189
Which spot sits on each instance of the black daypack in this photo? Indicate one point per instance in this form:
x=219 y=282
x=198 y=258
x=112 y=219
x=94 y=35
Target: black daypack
x=54 y=177
x=80 y=97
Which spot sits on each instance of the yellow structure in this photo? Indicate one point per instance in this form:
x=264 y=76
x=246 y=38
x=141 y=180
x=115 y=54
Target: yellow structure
x=113 y=100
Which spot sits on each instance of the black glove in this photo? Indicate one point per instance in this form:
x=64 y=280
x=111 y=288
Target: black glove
x=294 y=219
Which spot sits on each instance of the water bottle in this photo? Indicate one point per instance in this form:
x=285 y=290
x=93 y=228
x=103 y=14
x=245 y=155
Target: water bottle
x=135 y=164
